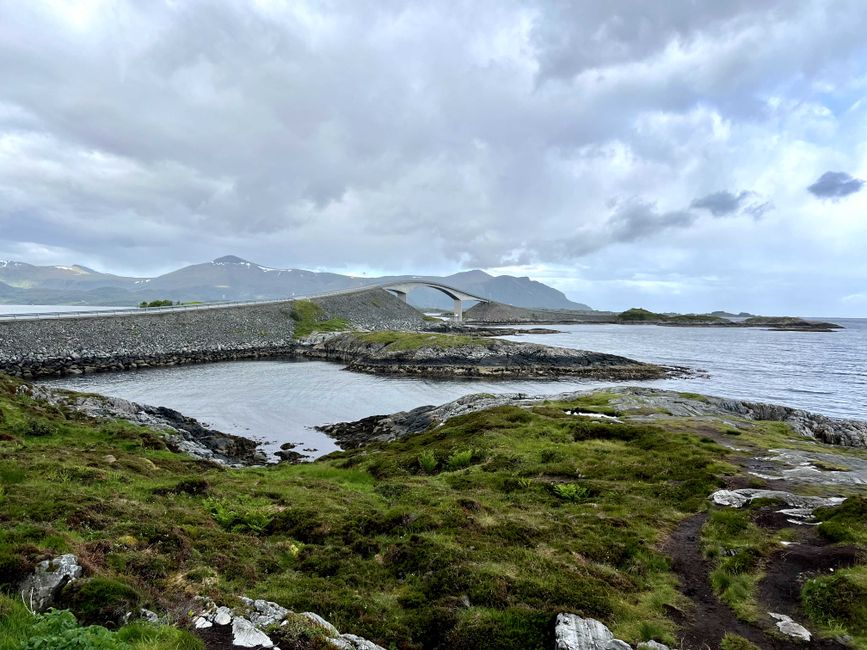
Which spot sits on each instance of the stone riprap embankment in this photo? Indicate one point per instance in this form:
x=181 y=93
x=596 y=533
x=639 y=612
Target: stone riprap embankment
x=445 y=356
x=77 y=344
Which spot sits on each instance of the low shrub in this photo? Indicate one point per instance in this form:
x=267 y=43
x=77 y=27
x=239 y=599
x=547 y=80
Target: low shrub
x=100 y=600
x=838 y=599
x=846 y=522
x=460 y=459
x=427 y=460
x=569 y=491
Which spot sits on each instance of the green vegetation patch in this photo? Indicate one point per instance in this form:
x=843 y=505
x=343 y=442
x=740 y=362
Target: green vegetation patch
x=60 y=630
x=846 y=522
x=640 y=315
x=310 y=317
x=737 y=549
x=418 y=340
x=474 y=534
x=156 y=303
x=839 y=601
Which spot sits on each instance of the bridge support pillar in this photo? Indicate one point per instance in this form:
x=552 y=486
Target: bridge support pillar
x=458 y=310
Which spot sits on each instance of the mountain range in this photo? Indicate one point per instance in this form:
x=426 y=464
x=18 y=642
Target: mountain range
x=233 y=278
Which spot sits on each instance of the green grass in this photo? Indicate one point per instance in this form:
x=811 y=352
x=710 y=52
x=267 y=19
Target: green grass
x=846 y=522
x=310 y=317
x=737 y=549
x=839 y=602
x=406 y=341
x=523 y=514
x=60 y=630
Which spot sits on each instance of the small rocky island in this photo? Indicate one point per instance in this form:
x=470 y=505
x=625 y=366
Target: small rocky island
x=490 y=314
x=461 y=355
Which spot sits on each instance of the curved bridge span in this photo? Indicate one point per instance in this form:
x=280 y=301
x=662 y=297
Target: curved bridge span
x=401 y=289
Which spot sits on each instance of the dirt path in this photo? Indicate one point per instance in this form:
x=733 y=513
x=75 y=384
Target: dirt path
x=704 y=627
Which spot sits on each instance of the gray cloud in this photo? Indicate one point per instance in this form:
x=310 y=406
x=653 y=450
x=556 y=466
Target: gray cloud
x=723 y=203
x=835 y=185
x=409 y=136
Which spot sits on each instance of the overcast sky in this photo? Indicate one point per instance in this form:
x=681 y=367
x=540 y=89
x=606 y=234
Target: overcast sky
x=679 y=155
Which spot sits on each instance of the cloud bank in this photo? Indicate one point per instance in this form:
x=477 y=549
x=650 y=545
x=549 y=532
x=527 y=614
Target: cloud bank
x=630 y=143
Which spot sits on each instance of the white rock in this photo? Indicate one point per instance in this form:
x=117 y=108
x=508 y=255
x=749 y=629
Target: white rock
x=575 y=633
x=652 y=645
x=617 y=644
x=149 y=616
x=729 y=498
x=321 y=622
x=788 y=627
x=247 y=635
x=359 y=643
x=264 y=613
x=50 y=576
x=201 y=623
x=223 y=616
x=340 y=644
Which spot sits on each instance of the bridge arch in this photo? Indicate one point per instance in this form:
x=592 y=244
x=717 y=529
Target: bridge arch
x=401 y=289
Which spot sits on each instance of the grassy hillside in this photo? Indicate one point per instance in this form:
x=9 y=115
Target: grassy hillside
x=472 y=535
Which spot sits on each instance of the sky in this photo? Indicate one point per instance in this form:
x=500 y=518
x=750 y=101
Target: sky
x=679 y=155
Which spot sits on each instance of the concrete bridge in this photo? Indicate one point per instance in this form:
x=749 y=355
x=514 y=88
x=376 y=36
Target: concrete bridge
x=401 y=289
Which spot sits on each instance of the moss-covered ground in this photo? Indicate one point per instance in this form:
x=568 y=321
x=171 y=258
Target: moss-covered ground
x=310 y=317
x=472 y=535
x=419 y=340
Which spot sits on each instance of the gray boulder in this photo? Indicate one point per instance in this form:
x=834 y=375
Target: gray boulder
x=358 y=643
x=41 y=588
x=247 y=635
x=790 y=628
x=263 y=613
x=575 y=633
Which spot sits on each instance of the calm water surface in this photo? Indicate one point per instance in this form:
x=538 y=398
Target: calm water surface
x=281 y=400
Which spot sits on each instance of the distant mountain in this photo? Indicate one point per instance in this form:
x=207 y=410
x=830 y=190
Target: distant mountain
x=233 y=278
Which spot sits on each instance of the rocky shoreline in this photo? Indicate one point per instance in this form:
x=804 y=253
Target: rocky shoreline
x=655 y=402
x=181 y=433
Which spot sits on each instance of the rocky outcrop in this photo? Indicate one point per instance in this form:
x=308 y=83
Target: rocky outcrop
x=39 y=590
x=740 y=498
x=181 y=433
x=95 y=343
x=834 y=431
x=800 y=508
x=661 y=403
x=258 y=622
x=478 y=358
x=572 y=632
